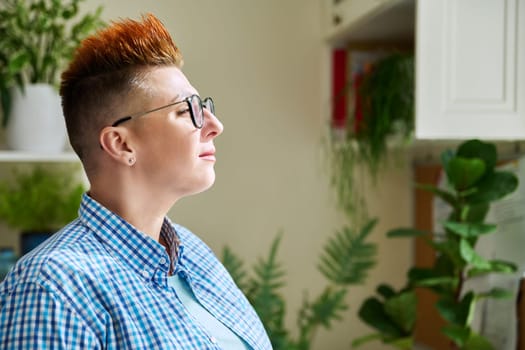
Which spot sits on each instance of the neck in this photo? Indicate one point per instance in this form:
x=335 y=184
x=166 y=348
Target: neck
x=145 y=209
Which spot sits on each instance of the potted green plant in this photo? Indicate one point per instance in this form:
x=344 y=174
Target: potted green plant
x=474 y=183
x=37 y=38
x=40 y=201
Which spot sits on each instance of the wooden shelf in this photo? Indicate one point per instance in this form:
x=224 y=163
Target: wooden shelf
x=20 y=156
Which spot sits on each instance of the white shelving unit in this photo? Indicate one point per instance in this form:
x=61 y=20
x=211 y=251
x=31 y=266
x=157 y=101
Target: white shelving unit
x=7 y=156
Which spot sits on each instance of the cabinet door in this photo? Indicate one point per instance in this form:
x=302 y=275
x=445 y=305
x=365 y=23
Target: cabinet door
x=470 y=69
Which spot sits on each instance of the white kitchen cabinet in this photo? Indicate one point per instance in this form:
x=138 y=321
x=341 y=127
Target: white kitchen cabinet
x=470 y=69
x=470 y=59
x=367 y=20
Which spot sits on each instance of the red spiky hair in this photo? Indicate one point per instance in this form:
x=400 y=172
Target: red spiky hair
x=121 y=45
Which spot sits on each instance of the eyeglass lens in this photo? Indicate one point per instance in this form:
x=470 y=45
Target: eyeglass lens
x=197 y=109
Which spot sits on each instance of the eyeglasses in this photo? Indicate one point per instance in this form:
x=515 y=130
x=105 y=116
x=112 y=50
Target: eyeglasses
x=195 y=107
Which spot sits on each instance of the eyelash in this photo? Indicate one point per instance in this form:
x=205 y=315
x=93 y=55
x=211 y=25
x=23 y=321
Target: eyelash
x=184 y=111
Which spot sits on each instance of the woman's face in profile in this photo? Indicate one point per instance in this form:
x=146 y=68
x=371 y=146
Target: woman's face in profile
x=173 y=154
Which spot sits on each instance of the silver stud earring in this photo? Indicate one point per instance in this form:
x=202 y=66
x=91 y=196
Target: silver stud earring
x=131 y=161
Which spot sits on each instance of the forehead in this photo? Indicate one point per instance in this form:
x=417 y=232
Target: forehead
x=169 y=82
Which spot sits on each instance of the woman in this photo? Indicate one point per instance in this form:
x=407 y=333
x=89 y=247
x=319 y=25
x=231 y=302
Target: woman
x=122 y=275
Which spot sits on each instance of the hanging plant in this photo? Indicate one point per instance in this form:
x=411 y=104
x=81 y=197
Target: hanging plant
x=387 y=107
x=383 y=110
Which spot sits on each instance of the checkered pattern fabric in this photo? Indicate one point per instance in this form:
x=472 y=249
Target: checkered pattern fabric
x=101 y=284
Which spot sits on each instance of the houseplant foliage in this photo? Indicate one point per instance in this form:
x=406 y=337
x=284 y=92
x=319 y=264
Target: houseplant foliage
x=345 y=260
x=37 y=38
x=473 y=184
x=41 y=199
x=386 y=112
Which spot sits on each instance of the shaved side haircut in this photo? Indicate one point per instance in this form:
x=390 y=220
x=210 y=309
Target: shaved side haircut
x=108 y=69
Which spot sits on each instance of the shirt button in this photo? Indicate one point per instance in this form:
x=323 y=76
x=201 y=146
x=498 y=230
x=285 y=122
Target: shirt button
x=144 y=273
x=162 y=261
x=213 y=340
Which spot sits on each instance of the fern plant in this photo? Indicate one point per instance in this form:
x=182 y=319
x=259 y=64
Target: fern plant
x=345 y=260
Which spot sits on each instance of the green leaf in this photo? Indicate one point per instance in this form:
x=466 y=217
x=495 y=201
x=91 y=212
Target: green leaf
x=497 y=266
x=405 y=232
x=438 y=281
x=365 y=339
x=457 y=313
x=372 y=313
x=477 y=342
x=479 y=149
x=425 y=277
x=503 y=266
x=469 y=230
x=446 y=196
x=263 y=290
x=494 y=187
x=325 y=309
x=347 y=257
x=496 y=293
x=477 y=212
x=385 y=291
x=458 y=334
x=470 y=256
x=401 y=309
x=464 y=172
x=450 y=249
x=406 y=343
x=17 y=62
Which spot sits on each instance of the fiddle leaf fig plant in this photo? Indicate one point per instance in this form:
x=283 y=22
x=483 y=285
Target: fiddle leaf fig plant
x=473 y=183
x=37 y=38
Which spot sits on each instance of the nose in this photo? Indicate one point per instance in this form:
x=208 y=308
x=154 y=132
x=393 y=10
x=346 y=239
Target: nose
x=212 y=126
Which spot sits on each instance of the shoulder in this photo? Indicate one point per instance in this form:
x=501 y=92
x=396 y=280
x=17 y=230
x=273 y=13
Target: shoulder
x=70 y=255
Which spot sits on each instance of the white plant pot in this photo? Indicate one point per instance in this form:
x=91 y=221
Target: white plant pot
x=36 y=123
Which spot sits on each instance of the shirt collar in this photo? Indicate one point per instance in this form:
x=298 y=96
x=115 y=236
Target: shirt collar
x=140 y=252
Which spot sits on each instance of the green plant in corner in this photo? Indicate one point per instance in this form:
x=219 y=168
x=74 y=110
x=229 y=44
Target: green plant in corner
x=37 y=38
x=474 y=183
x=40 y=200
x=345 y=260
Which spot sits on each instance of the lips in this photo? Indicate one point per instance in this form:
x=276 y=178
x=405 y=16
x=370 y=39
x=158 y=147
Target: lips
x=209 y=154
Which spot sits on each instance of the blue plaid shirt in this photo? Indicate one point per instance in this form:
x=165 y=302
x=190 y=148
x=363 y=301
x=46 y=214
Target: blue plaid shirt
x=101 y=284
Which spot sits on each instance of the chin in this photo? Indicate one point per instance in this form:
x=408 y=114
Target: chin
x=203 y=185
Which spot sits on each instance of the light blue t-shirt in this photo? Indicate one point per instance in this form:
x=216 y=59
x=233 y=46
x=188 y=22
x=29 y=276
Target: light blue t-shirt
x=222 y=334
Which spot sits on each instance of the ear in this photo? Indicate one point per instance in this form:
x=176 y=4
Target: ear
x=116 y=143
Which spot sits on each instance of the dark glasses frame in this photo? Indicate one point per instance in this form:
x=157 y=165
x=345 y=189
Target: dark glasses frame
x=198 y=120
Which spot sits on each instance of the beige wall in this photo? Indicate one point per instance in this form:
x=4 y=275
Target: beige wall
x=262 y=61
